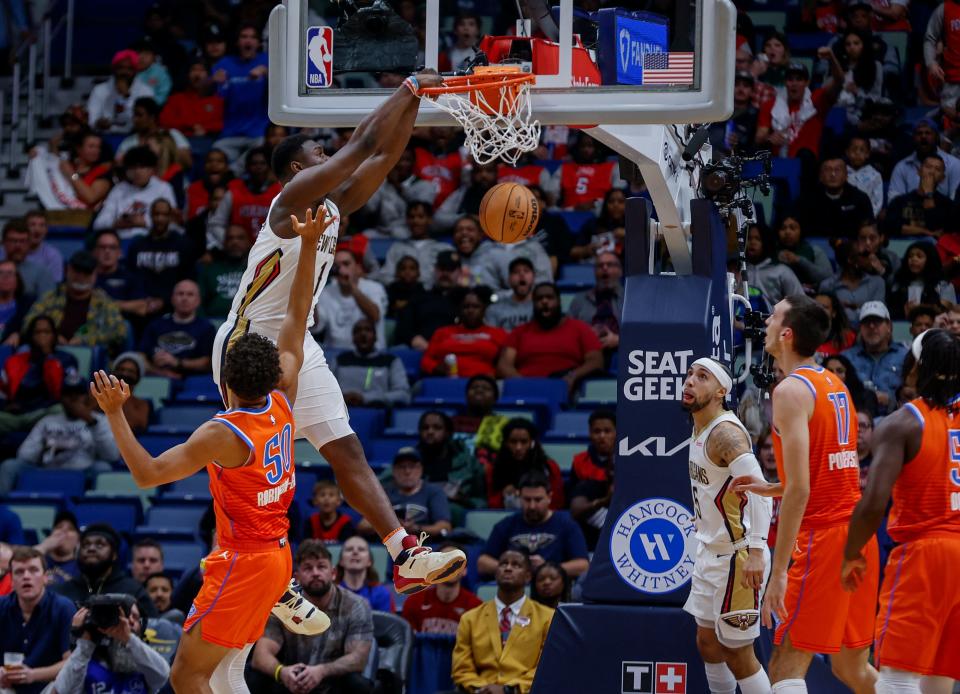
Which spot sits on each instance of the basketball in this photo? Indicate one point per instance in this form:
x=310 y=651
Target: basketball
x=509 y=212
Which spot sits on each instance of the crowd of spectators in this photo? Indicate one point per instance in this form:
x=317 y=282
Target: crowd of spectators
x=167 y=166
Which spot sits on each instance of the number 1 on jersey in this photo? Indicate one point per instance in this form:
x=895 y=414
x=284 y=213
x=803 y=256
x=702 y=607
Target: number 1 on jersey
x=841 y=407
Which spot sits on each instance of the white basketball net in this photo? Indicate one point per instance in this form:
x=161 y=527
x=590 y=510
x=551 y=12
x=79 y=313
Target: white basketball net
x=506 y=133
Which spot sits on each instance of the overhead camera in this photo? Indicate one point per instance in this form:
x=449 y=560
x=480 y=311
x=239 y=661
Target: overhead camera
x=723 y=181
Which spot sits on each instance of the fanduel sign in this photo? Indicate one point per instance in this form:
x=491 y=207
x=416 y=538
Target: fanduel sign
x=634 y=37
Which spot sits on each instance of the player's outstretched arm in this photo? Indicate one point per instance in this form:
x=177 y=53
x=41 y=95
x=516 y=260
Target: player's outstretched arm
x=895 y=441
x=208 y=443
x=294 y=325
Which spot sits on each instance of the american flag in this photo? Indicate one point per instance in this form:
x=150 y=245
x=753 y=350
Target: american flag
x=668 y=68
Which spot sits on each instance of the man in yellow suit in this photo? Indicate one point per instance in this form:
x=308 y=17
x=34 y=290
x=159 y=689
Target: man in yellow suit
x=499 y=643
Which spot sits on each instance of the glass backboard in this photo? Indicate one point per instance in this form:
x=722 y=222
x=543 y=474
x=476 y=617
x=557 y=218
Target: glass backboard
x=643 y=62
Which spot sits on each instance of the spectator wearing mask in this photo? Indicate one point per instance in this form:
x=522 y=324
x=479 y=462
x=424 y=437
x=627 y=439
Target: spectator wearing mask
x=499 y=643
x=121 y=284
x=180 y=343
x=219 y=280
x=386 y=210
x=601 y=307
x=160 y=587
x=923 y=211
x=42 y=253
x=33 y=378
x=426 y=250
x=511 y=310
x=328 y=524
x=604 y=234
x=163 y=257
x=35 y=623
x=591 y=479
x=246 y=201
x=110 y=106
x=356 y=573
x=585 y=180
x=550 y=585
x=880 y=260
x=480 y=259
x=351 y=298
x=436 y=308
x=99 y=572
x=521 y=453
x=841 y=335
x=112 y=659
x=14 y=304
x=877 y=359
x=860 y=173
x=16 y=247
x=127 y=206
x=926 y=143
x=370 y=377
x=146 y=114
x=551 y=344
x=78 y=439
x=59 y=549
x=919 y=281
x=474 y=346
x=852 y=285
x=808 y=261
x=82 y=314
x=738 y=134
x=241 y=81
x=863 y=399
x=147 y=559
x=405 y=287
x=329 y=662
x=131 y=367
x=834 y=208
x=439 y=608
x=765 y=273
x=195 y=110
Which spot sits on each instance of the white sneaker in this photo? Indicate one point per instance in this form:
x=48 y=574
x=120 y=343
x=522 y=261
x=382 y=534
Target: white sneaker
x=298 y=614
x=417 y=566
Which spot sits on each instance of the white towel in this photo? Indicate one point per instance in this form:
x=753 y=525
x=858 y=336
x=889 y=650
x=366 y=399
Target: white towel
x=789 y=123
x=44 y=178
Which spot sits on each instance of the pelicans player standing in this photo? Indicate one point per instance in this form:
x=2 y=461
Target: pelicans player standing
x=248 y=453
x=815 y=442
x=916 y=457
x=732 y=556
x=335 y=185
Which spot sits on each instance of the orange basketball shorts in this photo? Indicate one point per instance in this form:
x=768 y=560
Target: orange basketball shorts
x=918 y=625
x=239 y=590
x=821 y=615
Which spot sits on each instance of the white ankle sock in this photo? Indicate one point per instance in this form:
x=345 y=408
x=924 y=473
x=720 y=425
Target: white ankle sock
x=720 y=679
x=394 y=542
x=790 y=687
x=757 y=683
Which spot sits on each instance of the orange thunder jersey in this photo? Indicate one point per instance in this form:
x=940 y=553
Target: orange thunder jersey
x=834 y=465
x=926 y=496
x=251 y=501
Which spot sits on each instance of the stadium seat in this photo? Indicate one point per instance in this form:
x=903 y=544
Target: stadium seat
x=487 y=591
x=182 y=418
x=122 y=514
x=305 y=454
x=576 y=276
x=774 y=20
x=179 y=519
x=405 y=421
x=380 y=248
x=199 y=389
x=38 y=518
x=562 y=453
x=381 y=451
x=305 y=482
x=575 y=219
x=481 y=522
x=119 y=483
x=901 y=331
x=378 y=553
x=410 y=358
x=194 y=486
x=569 y=425
x=549 y=392
x=598 y=392
x=182 y=556
x=154 y=388
x=67 y=483
x=366 y=422
x=85 y=357
x=442 y=391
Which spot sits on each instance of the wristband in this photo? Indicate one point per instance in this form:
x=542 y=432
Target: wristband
x=276 y=673
x=413 y=84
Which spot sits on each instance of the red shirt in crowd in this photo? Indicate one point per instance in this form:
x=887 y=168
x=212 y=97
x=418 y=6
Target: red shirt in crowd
x=444 y=170
x=525 y=175
x=428 y=615
x=542 y=353
x=584 y=183
x=250 y=209
x=948 y=246
x=185 y=110
x=476 y=350
x=829 y=349
x=341 y=530
x=808 y=136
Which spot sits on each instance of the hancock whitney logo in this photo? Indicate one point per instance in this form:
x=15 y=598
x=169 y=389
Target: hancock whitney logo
x=652 y=545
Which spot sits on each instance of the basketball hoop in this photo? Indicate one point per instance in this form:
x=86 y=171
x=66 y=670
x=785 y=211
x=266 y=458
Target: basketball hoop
x=492 y=105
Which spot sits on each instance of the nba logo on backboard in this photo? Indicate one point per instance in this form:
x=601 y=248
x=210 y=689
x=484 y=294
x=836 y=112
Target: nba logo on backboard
x=319 y=57
x=671 y=678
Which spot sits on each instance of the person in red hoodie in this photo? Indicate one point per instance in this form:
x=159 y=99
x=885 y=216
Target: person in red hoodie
x=468 y=347
x=197 y=110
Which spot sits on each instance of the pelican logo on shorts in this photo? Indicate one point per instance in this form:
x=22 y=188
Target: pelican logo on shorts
x=652 y=545
x=741 y=620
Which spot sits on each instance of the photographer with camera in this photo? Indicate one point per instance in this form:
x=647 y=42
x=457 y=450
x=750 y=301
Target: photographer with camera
x=109 y=654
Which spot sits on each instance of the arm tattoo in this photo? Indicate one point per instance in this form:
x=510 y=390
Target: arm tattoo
x=727 y=443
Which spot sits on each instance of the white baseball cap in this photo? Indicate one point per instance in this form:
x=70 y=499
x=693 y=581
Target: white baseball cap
x=874 y=309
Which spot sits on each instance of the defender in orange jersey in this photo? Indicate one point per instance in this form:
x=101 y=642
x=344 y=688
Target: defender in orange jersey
x=815 y=442
x=916 y=456
x=248 y=453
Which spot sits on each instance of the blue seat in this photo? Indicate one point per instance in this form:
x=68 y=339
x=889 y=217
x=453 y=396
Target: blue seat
x=380 y=248
x=155 y=444
x=304 y=488
x=366 y=422
x=406 y=421
x=199 y=389
x=576 y=219
x=410 y=358
x=182 y=418
x=442 y=391
x=121 y=513
x=67 y=483
x=576 y=276
x=551 y=392
x=180 y=521
x=181 y=556
x=570 y=425
x=381 y=451
x=197 y=485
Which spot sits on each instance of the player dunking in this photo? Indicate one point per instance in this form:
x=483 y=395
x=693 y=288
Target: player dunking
x=247 y=451
x=815 y=443
x=337 y=185
x=916 y=456
x=732 y=556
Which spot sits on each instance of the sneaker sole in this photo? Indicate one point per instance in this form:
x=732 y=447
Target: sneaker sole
x=444 y=573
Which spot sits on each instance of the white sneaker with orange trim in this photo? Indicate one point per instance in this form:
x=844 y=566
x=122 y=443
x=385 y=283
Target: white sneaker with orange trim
x=417 y=567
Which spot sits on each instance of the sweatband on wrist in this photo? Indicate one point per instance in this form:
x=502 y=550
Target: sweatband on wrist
x=413 y=84
x=276 y=673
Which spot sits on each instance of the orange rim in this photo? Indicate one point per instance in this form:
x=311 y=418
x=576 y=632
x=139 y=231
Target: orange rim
x=476 y=82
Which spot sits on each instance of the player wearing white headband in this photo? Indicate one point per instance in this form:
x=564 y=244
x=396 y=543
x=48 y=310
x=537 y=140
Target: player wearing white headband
x=732 y=558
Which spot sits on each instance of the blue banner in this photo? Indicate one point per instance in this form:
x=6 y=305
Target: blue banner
x=623 y=39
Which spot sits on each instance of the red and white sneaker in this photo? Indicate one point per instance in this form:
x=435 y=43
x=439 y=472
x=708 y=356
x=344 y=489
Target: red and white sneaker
x=298 y=614
x=417 y=566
